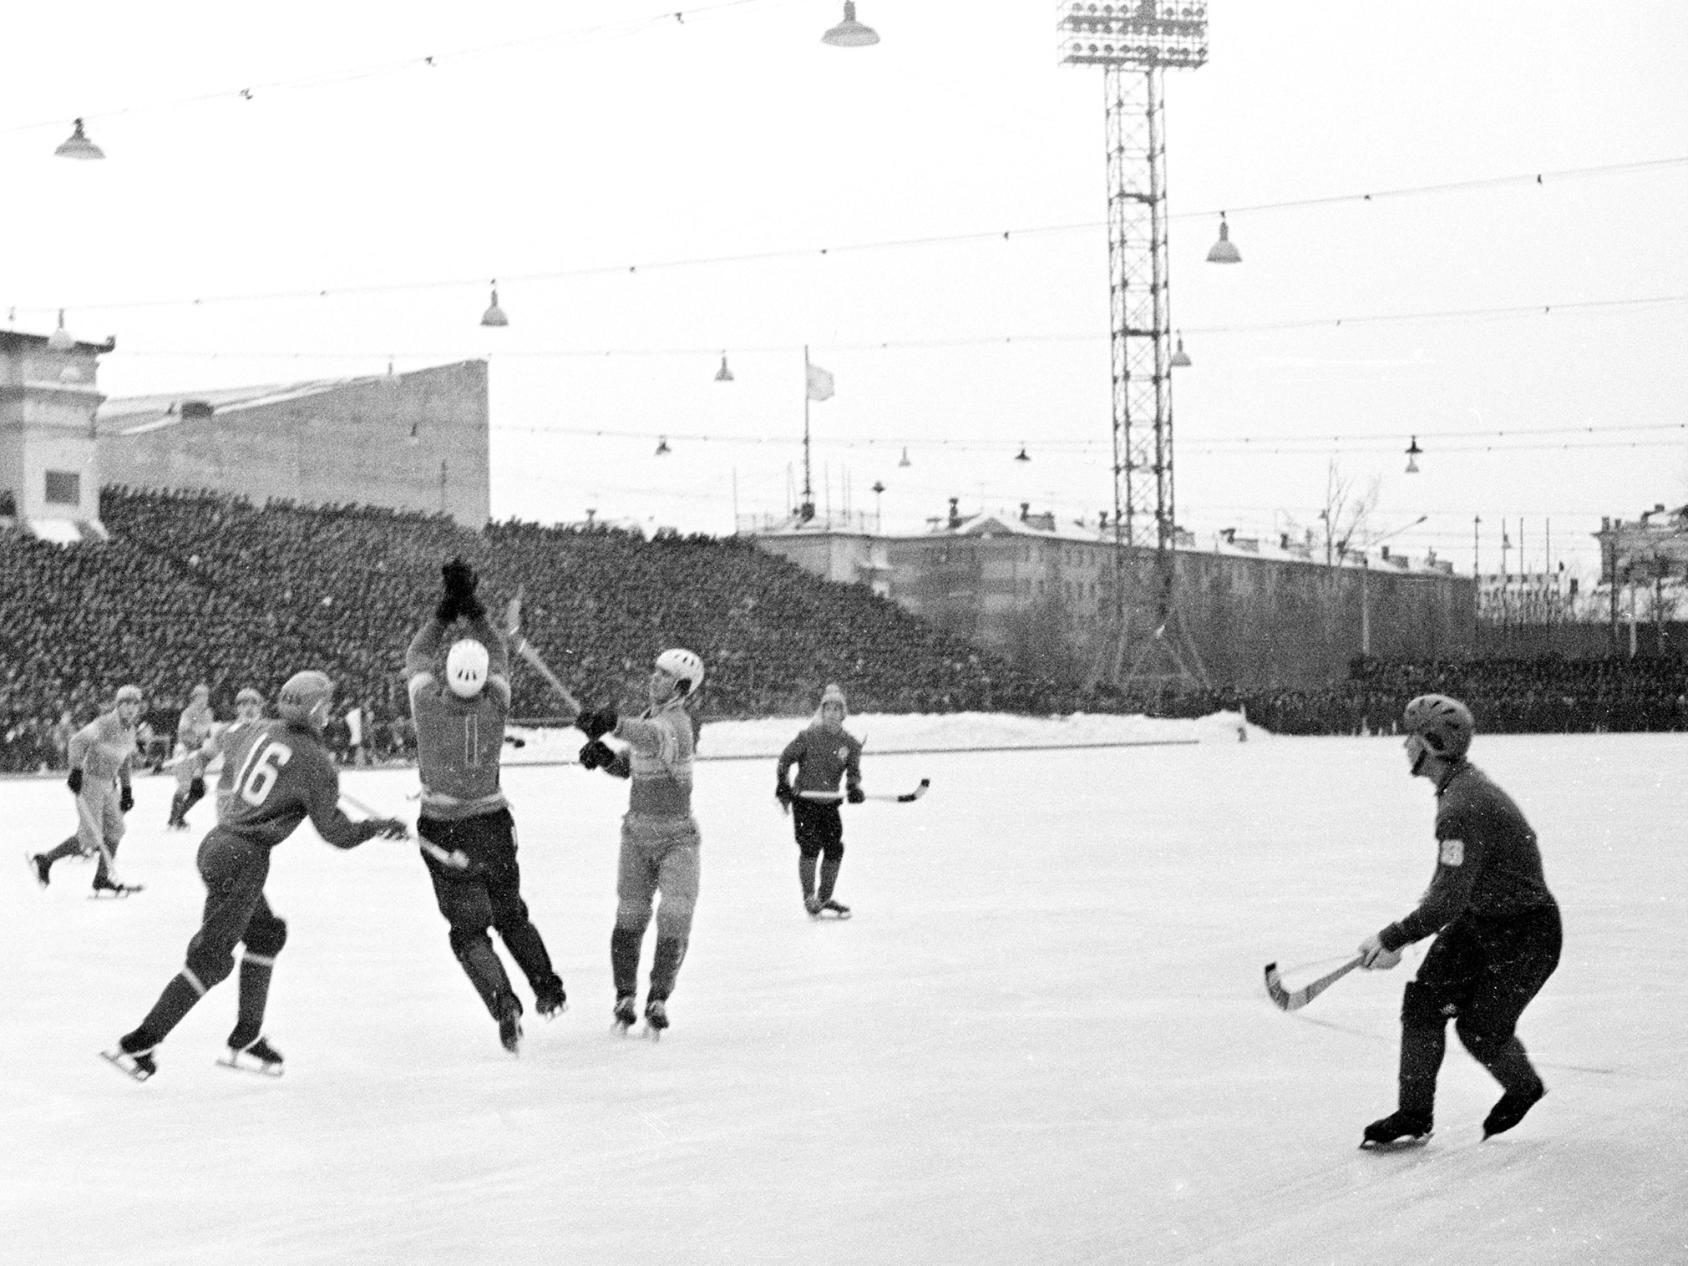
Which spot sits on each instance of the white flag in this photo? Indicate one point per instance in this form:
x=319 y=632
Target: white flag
x=820 y=383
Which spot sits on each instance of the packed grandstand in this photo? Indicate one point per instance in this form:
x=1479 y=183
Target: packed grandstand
x=205 y=587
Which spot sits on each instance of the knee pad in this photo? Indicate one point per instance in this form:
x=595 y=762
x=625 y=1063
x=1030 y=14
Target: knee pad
x=1482 y=1040
x=1423 y=1007
x=210 y=969
x=674 y=920
x=465 y=940
x=266 y=938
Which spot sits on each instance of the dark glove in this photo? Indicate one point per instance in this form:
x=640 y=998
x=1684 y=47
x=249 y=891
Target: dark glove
x=595 y=724
x=782 y=793
x=75 y=781
x=855 y=795
x=126 y=799
x=596 y=754
x=391 y=829
x=459 y=599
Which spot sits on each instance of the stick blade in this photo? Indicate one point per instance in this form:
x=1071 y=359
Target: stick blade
x=1276 y=991
x=910 y=796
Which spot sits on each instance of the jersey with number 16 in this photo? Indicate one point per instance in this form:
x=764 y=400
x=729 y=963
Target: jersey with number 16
x=275 y=775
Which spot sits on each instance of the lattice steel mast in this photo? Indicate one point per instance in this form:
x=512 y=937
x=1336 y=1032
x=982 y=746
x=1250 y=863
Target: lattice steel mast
x=1134 y=43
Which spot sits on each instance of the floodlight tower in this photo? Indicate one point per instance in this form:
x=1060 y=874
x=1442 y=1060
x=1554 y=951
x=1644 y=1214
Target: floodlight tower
x=1135 y=41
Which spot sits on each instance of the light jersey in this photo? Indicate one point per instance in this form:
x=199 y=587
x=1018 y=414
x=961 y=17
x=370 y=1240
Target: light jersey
x=662 y=745
x=459 y=744
x=275 y=775
x=195 y=727
x=103 y=750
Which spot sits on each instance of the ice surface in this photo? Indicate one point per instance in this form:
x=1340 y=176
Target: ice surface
x=1042 y=1038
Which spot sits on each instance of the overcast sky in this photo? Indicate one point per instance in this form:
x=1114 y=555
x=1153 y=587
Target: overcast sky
x=926 y=215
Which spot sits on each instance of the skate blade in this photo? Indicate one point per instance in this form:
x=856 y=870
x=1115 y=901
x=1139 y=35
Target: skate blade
x=125 y=1064
x=242 y=1063
x=106 y=894
x=1398 y=1145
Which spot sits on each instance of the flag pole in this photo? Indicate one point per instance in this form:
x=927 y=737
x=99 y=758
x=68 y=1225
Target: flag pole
x=807 y=511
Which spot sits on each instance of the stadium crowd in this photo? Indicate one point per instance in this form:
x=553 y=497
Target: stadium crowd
x=205 y=587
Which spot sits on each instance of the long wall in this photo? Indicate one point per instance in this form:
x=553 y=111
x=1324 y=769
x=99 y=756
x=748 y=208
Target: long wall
x=412 y=441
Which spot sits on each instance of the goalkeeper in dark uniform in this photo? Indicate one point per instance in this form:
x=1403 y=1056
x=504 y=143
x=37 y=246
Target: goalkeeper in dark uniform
x=459 y=744
x=1496 y=926
x=276 y=774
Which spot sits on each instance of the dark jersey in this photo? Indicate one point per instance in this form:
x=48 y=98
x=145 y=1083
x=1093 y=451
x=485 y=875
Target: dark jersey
x=1488 y=864
x=275 y=775
x=823 y=754
x=459 y=742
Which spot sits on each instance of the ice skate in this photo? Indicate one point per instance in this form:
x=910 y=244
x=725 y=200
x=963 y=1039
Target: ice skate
x=813 y=906
x=656 y=1018
x=624 y=1015
x=837 y=909
x=551 y=1001
x=1397 y=1130
x=105 y=886
x=1511 y=1108
x=510 y=1027
x=257 y=1056
x=40 y=867
x=133 y=1059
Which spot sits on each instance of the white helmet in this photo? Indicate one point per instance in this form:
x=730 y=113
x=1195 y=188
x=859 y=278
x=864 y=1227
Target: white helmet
x=685 y=667
x=465 y=668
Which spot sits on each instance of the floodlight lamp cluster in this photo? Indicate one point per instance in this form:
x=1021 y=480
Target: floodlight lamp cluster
x=1172 y=34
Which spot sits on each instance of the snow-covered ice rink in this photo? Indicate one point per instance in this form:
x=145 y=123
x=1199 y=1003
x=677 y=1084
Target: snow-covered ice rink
x=1043 y=1037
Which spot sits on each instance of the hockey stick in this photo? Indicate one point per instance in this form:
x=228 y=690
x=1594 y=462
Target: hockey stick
x=454 y=859
x=1294 y=1000
x=524 y=648
x=907 y=797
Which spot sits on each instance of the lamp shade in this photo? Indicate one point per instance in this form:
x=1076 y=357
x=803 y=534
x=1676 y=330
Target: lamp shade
x=1222 y=251
x=494 y=315
x=850 y=33
x=78 y=146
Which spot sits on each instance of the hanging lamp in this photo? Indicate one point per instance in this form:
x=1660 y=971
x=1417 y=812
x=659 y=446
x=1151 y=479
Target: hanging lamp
x=78 y=146
x=850 y=33
x=494 y=315
x=1222 y=251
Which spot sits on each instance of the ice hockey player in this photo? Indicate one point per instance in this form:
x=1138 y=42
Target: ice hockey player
x=277 y=774
x=193 y=731
x=824 y=753
x=660 y=842
x=459 y=744
x=102 y=760
x=1496 y=926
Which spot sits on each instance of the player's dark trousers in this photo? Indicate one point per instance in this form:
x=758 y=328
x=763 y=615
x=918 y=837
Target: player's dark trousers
x=1481 y=974
x=487 y=896
x=236 y=913
x=819 y=828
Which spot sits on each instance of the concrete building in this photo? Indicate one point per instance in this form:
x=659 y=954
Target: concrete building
x=1257 y=614
x=49 y=401
x=414 y=441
